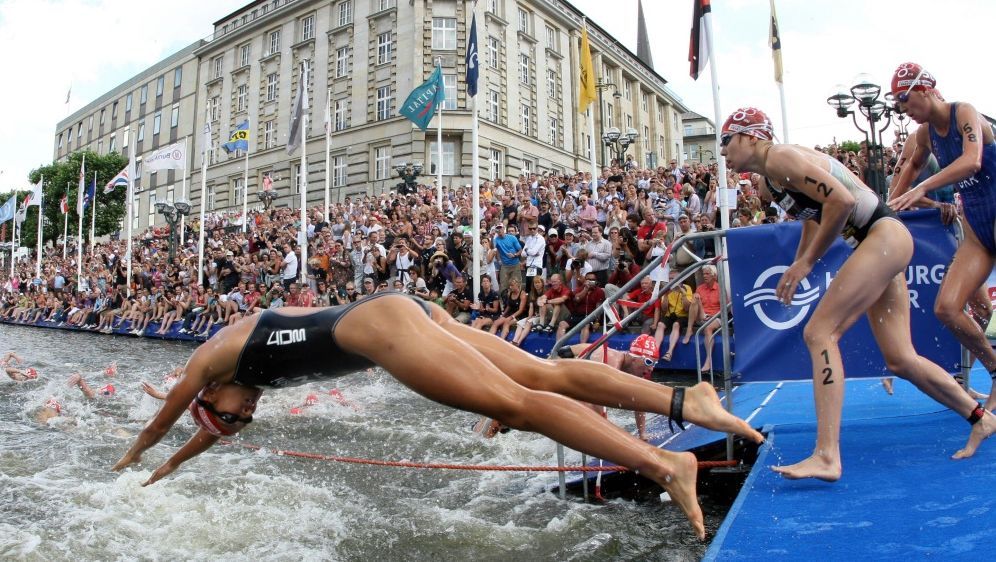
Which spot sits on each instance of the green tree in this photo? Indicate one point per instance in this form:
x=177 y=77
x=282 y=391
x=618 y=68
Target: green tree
x=850 y=146
x=62 y=178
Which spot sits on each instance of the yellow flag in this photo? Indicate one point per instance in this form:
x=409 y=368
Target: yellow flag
x=587 y=92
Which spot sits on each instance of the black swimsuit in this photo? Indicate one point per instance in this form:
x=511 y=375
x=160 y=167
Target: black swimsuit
x=293 y=350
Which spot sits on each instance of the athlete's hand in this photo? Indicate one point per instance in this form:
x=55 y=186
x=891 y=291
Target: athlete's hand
x=161 y=472
x=128 y=459
x=790 y=280
x=907 y=200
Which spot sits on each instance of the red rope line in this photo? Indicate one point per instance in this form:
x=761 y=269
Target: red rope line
x=453 y=466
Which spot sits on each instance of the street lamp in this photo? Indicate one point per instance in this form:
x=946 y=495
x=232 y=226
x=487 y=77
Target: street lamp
x=619 y=142
x=600 y=85
x=409 y=172
x=172 y=212
x=865 y=93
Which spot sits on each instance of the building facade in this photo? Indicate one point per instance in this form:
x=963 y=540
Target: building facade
x=699 y=135
x=365 y=56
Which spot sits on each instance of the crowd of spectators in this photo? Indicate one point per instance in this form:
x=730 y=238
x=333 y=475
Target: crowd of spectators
x=553 y=248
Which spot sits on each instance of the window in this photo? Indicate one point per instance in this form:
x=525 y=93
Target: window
x=157 y=122
x=215 y=109
x=608 y=116
x=450 y=90
x=660 y=147
x=494 y=105
x=296 y=178
x=628 y=90
x=177 y=76
x=449 y=158
x=141 y=132
x=493 y=7
x=644 y=102
x=114 y=110
x=269 y=134
x=89 y=127
x=629 y=121
x=341 y=113
x=308 y=28
x=383 y=4
x=60 y=140
x=210 y=198
x=586 y=143
x=245 y=51
x=551 y=83
x=135 y=203
x=385 y=48
x=126 y=134
x=552 y=39
x=160 y=84
x=143 y=96
x=274 y=46
x=152 y=208
x=554 y=131
x=342 y=62
x=112 y=145
x=339 y=170
x=174 y=118
x=271 y=86
x=128 y=103
x=384 y=99
x=444 y=34
x=242 y=97
x=238 y=187
x=496 y=167
x=346 y=12
x=382 y=162
x=526 y=119
x=524 y=69
x=660 y=113
x=527 y=166
x=217 y=71
x=102 y=111
x=524 y=21
x=494 y=47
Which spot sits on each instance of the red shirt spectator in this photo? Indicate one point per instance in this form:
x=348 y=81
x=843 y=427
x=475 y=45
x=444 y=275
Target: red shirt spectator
x=648 y=231
x=556 y=292
x=708 y=292
x=583 y=302
x=639 y=296
x=624 y=271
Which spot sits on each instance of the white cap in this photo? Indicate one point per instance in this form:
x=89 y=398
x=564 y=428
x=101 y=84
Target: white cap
x=540 y=228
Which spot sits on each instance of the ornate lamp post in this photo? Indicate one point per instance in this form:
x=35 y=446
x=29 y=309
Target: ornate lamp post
x=267 y=194
x=172 y=212
x=865 y=93
x=618 y=142
x=409 y=172
x=600 y=85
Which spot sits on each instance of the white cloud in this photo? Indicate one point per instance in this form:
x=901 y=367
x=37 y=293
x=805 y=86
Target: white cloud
x=93 y=45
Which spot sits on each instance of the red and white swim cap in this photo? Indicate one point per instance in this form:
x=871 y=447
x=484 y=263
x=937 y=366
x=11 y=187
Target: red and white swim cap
x=108 y=390
x=54 y=404
x=644 y=347
x=209 y=422
x=912 y=76
x=31 y=373
x=749 y=121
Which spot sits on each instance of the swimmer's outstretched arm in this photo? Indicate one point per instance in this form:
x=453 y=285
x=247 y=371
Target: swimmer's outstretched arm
x=153 y=391
x=11 y=356
x=77 y=380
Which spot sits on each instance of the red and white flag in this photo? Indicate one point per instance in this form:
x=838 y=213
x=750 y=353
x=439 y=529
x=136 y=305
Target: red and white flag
x=64 y=204
x=698 y=44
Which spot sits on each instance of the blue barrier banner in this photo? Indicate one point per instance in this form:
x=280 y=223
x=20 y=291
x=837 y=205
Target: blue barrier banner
x=769 y=334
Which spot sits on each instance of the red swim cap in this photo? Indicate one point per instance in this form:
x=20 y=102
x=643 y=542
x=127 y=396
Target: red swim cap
x=911 y=76
x=54 y=404
x=108 y=390
x=31 y=373
x=644 y=347
x=749 y=121
x=311 y=400
x=209 y=422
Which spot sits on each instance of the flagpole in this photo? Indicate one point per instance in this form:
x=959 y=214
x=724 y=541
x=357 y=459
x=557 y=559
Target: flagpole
x=204 y=167
x=245 y=189
x=328 y=149
x=183 y=193
x=785 y=123
x=38 y=241
x=724 y=204
x=303 y=180
x=65 y=226
x=439 y=148
x=13 y=237
x=79 y=226
x=93 y=210
x=475 y=173
x=129 y=202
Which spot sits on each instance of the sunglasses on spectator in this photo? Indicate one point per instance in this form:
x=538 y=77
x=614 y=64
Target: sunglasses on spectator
x=905 y=96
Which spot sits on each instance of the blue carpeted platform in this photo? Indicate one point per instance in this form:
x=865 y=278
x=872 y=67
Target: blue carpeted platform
x=901 y=497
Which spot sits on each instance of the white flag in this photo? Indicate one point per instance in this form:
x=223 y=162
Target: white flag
x=298 y=110
x=35 y=197
x=169 y=157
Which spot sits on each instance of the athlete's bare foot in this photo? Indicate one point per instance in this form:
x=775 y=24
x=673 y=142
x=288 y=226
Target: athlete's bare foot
x=980 y=432
x=887 y=383
x=680 y=485
x=702 y=407
x=687 y=338
x=817 y=466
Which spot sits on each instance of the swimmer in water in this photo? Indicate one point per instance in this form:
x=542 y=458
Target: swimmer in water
x=78 y=381
x=427 y=350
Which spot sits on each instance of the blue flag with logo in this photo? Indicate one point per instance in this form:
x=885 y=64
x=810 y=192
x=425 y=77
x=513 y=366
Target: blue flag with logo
x=769 y=344
x=91 y=192
x=472 y=60
x=239 y=139
x=8 y=209
x=421 y=104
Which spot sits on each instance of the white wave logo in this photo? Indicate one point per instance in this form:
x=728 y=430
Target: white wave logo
x=761 y=295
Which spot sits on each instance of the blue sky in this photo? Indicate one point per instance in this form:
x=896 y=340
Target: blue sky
x=97 y=44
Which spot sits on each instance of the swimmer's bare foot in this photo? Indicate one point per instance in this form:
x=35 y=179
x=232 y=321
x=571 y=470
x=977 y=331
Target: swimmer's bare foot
x=980 y=432
x=702 y=407
x=817 y=466
x=887 y=383
x=680 y=485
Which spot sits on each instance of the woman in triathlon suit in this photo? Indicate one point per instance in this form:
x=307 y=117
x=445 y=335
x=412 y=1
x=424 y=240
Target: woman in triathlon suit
x=964 y=147
x=428 y=351
x=832 y=201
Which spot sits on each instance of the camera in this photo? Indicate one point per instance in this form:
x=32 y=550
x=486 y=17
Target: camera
x=577 y=264
x=410 y=288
